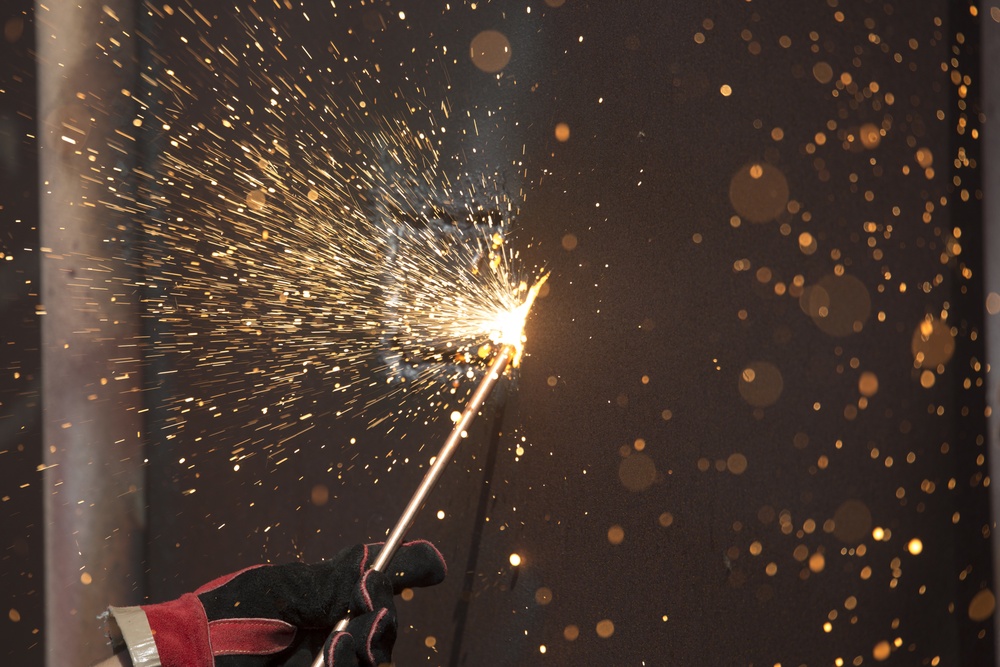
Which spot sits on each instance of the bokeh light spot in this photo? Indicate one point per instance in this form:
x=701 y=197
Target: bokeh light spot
x=823 y=72
x=817 y=562
x=982 y=605
x=490 y=51
x=838 y=305
x=932 y=344
x=868 y=384
x=761 y=384
x=605 y=628
x=759 y=192
x=927 y=379
x=13 y=28
x=807 y=243
x=881 y=651
x=637 y=472
x=924 y=157
x=320 y=495
x=736 y=463
x=870 y=135
x=256 y=200
x=993 y=303
x=852 y=522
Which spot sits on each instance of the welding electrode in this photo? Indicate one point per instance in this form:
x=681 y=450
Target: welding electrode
x=398 y=532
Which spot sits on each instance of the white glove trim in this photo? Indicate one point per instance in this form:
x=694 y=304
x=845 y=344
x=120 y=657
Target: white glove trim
x=130 y=626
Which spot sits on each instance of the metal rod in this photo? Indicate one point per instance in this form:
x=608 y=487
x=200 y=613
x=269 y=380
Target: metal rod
x=398 y=532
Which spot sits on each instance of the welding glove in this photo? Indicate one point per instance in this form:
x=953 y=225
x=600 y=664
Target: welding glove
x=281 y=614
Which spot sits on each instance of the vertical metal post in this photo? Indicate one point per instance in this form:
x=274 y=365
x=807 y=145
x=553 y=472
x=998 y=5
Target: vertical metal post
x=91 y=379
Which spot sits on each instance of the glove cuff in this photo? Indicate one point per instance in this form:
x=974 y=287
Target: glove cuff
x=180 y=630
x=128 y=628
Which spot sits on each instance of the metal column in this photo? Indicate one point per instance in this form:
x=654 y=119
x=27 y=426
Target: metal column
x=91 y=379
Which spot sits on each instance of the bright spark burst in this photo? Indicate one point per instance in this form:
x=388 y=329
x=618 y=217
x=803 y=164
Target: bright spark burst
x=508 y=327
x=301 y=244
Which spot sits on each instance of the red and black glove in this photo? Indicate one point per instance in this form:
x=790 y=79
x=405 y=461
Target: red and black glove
x=282 y=614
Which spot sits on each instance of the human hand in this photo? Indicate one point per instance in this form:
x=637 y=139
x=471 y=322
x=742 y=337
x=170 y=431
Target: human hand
x=281 y=614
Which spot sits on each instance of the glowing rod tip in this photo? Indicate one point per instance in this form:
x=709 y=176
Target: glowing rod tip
x=509 y=326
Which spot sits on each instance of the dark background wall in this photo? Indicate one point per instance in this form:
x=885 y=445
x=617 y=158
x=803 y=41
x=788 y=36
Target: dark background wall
x=750 y=429
x=21 y=523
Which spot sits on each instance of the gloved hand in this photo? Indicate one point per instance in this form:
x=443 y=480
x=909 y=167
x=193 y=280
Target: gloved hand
x=282 y=614
x=371 y=631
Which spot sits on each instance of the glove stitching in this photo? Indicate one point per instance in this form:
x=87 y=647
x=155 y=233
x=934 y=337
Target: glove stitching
x=251 y=624
x=371 y=634
x=366 y=596
x=333 y=643
x=364 y=562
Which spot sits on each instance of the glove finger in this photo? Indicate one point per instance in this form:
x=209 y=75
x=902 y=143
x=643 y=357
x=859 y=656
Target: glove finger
x=339 y=651
x=415 y=564
x=374 y=592
x=374 y=624
x=322 y=599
